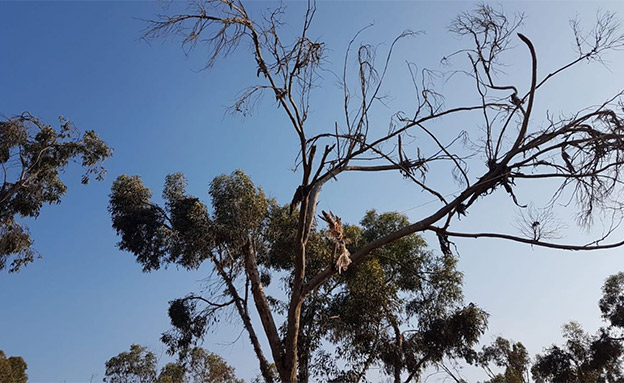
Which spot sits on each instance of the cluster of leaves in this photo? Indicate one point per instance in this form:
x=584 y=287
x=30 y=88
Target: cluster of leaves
x=512 y=358
x=135 y=366
x=139 y=366
x=183 y=232
x=401 y=309
x=32 y=156
x=12 y=369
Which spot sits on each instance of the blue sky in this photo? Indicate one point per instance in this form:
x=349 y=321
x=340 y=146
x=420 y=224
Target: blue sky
x=86 y=301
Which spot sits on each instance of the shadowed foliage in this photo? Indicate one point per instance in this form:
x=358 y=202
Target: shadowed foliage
x=32 y=157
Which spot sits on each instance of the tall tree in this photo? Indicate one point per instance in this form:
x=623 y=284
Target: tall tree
x=401 y=309
x=580 y=152
x=32 y=156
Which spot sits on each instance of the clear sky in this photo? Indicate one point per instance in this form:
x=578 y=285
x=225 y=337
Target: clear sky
x=86 y=301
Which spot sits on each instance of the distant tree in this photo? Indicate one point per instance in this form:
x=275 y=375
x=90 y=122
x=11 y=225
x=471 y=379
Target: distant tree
x=207 y=367
x=487 y=141
x=583 y=358
x=139 y=365
x=32 y=157
x=12 y=369
x=135 y=366
x=586 y=358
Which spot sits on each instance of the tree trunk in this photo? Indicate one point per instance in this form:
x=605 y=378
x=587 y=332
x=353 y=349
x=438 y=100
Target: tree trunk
x=262 y=306
x=265 y=368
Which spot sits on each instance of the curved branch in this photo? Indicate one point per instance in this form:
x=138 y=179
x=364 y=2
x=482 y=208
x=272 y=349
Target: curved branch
x=528 y=240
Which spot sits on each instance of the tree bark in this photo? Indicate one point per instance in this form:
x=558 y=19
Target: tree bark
x=265 y=367
x=262 y=306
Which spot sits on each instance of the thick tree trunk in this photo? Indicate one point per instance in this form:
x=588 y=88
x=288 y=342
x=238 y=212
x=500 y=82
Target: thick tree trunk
x=306 y=217
x=264 y=311
x=265 y=367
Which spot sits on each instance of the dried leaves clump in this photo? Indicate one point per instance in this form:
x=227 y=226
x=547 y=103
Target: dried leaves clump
x=335 y=233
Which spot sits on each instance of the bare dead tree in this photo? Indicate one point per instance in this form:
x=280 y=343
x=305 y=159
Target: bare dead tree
x=583 y=152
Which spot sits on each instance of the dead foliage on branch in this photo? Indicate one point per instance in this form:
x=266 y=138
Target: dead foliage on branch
x=335 y=233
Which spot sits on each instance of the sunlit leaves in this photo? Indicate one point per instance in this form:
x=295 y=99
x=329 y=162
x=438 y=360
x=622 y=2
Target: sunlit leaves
x=139 y=365
x=205 y=366
x=239 y=207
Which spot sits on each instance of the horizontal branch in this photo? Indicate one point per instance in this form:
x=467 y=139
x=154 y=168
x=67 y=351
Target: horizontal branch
x=532 y=242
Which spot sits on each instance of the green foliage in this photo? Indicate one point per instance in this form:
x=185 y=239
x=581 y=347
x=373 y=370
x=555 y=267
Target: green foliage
x=612 y=302
x=171 y=373
x=584 y=358
x=140 y=223
x=187 y=323
x=239 y=208
x=12 y=369
x=207 y=367
x=136 y=366
x=183 y=232
x=33 y=155
x=139 y=366
x=512 y=358
x=402 y=309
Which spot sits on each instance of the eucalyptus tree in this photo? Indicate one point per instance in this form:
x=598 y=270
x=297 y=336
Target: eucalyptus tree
x=580 y=152
x=32 y=156
x=402 y=309
x=139 y=365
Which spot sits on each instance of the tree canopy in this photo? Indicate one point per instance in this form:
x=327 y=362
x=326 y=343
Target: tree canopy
x=33 y=155
x=135 y=366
